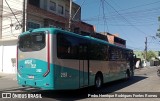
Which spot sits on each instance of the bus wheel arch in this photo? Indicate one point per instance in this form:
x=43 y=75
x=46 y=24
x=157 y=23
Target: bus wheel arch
x=98 y=79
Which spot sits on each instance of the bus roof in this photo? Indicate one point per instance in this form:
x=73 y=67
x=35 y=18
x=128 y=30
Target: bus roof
x=56 y=30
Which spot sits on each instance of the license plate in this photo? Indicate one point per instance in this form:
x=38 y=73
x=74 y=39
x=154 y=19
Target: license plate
x=31 y=77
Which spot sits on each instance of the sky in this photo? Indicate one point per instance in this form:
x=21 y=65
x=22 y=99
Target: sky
x=133 y=20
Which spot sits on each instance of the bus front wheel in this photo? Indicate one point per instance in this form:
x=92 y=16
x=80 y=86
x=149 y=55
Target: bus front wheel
x=98 y=81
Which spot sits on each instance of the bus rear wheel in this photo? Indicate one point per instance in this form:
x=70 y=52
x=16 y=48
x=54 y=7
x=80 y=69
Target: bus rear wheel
x=98 y=81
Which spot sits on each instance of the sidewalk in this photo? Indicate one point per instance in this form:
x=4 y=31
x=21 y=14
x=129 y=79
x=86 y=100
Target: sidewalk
x=8 y=81
x=8 y=76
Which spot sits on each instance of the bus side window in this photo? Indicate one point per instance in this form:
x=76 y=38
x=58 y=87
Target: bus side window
x=67 y=46
x=83 y=50
x=112 y=54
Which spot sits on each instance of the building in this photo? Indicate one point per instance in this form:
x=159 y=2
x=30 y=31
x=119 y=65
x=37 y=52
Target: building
x=115 y=39
x=10 y=28
x=55 y=13
x=17 y=16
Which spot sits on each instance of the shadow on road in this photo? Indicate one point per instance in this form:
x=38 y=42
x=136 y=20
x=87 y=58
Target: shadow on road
x=83 y=93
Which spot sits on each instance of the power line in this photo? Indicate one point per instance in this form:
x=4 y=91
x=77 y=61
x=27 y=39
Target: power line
x=12 y=12
x=140 y=5
x=143 y=13
x=78 y=9
x=99 y=15
x=125 y=18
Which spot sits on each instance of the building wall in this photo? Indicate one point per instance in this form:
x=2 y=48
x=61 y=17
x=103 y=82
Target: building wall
x=45 y=4
x=110 y=39
x=114 y=39
x=8 y=56
x=10 y=31
x=1 y=57
x=38 y=15
x=85 y=27
x=47 y=18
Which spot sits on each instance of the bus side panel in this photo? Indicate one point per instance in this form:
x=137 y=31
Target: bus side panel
x=96 y=66
x=66 y=74
x=117 y=70
x=111 y=70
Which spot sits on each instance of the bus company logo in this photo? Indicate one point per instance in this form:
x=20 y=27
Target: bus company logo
x=30 y=63
x=6 y=95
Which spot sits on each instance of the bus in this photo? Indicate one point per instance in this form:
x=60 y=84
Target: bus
x=55 y=59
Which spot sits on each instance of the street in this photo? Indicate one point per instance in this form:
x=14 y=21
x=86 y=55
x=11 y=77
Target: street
x=73 y=44
x=145 y=80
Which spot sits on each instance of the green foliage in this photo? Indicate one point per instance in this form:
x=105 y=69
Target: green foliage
x=150 y=55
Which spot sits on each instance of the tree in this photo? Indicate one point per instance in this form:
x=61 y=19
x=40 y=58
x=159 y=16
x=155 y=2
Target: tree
x=150 y=55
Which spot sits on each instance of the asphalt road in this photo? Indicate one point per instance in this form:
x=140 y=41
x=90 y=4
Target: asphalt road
x=144 y=81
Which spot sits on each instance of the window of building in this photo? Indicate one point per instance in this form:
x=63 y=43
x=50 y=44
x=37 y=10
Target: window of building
x=34 y=2
x=60 y=9
x=33 y=25
x=66 y=13
x=52 y=6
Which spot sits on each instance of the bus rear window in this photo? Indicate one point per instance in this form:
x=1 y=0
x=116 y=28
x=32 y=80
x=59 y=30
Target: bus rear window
x=32 y=42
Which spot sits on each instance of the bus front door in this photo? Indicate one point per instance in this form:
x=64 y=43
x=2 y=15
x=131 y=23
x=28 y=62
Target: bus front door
x=83 y=73
x=83 y=66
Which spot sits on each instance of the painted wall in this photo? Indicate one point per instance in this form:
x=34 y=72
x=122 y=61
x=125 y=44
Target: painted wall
x=1 y=55
x=10 y=30
x=8 y=56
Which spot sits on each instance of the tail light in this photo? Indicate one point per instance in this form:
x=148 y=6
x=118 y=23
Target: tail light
x=48 y=56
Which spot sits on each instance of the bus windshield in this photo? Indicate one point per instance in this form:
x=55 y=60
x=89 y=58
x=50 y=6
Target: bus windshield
x=32 y=42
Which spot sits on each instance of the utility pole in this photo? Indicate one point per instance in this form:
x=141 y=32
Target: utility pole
x=1 y=12
x=70 y=15
x=146 y=48
x=24 y=15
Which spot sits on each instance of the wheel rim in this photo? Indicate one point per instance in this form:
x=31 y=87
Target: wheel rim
x=98 y=82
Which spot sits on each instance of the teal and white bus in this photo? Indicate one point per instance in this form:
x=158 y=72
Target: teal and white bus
x=55 y=59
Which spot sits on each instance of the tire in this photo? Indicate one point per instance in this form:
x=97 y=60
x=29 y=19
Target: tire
x=98 y=81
